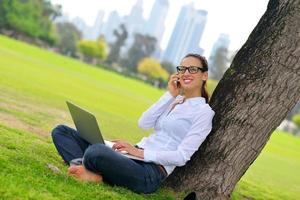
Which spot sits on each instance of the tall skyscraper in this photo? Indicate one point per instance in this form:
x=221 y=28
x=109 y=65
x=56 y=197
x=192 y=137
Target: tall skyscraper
x=222 y=41
x=113 y=22
x=82 y=26
x=96 y=29
x=187 y=34
x=155 y=26
x=134 y=23
x=88 y=32
x=218 y=60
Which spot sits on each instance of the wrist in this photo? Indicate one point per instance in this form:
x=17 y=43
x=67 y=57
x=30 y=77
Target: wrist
x=140 y=153
x=173 y=94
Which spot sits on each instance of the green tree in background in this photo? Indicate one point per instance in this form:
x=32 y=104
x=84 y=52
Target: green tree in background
x=218 y=63
x=52 y=11
x=68 y=36
x=296 y=119
x=168 y=66
x=114 y=53
x=152 y=69
x=93 y=51
x=2 y=14
x=29 y=17
x=143 y=46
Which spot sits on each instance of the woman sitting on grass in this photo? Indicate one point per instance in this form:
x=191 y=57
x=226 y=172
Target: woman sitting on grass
x=181 y=124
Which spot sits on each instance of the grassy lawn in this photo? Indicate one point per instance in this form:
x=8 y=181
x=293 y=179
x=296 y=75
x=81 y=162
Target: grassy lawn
x=34 y=85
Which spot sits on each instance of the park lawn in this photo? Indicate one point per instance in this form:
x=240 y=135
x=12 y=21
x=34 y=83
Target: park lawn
x=275 y=173
x=26 y=160
x=34 y=85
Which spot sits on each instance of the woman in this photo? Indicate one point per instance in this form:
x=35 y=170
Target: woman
x=181 y=124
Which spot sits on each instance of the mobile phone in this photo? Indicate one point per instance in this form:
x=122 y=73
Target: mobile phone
x=178 y=84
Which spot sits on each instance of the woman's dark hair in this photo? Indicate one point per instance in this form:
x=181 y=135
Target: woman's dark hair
x=204 y=92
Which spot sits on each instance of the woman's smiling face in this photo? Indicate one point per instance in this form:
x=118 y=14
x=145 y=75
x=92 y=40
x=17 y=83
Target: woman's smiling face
x=190 y=81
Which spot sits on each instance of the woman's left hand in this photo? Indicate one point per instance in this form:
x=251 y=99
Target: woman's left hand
x=122 y=145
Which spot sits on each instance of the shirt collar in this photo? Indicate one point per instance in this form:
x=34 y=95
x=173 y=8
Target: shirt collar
x=194 y=100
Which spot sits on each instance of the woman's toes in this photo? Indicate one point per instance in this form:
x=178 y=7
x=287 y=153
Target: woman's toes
x=82 y=174
x=73 y=170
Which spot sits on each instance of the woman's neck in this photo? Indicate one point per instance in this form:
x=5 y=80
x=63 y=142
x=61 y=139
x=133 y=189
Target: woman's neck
x=191 y=94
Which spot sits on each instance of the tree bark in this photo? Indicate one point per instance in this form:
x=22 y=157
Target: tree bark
x=255 y=94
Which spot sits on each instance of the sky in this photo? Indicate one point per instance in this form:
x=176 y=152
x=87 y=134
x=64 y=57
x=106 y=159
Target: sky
x=237 y=18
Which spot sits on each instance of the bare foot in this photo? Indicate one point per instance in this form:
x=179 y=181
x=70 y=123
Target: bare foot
x=81 y=173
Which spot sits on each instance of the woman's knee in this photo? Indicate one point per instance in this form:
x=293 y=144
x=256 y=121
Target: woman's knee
x=96 y=151
x=58 y=131
x=96 y=154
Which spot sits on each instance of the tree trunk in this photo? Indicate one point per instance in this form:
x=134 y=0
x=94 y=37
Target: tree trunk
x=255 y=94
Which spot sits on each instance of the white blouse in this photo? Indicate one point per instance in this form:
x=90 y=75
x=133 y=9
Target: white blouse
x=178 y=133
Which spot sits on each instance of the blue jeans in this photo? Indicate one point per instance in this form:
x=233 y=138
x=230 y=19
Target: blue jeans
x=116 y=169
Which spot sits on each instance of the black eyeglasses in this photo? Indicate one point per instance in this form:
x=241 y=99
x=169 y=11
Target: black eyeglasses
x=191 y=69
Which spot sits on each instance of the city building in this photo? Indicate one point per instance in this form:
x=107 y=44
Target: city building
x=155 y=25
x=222 y=41
x=96 y=28
x=134 y=23
x=187 y=34
x=113 y=22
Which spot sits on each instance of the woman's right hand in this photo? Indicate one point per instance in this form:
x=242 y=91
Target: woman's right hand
x=172 y=85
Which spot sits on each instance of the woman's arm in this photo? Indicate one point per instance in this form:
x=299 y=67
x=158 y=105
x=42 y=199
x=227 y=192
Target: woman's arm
x=201 y=127
x=149 y=117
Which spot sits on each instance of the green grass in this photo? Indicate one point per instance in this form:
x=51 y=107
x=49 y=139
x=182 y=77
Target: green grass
x=34 y=85
x=25 y=173
x=275 y=173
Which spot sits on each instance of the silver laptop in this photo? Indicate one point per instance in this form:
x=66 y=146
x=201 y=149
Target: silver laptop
x=87 y=127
